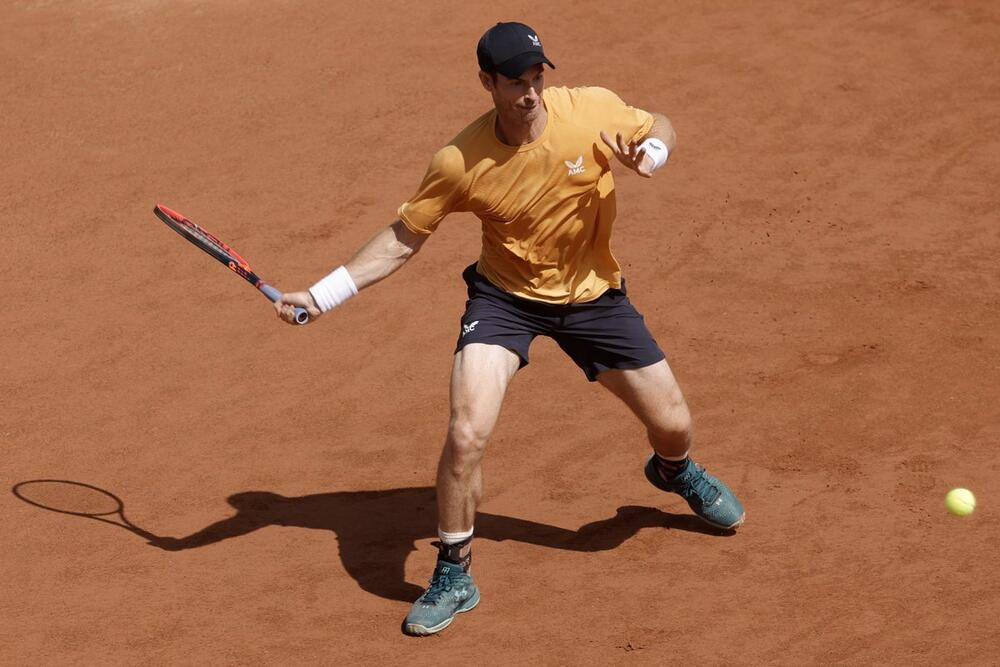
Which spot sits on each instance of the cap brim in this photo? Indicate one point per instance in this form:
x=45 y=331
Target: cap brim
x=513 y=68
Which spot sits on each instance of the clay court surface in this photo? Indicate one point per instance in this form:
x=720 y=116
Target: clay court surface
x=819 y=260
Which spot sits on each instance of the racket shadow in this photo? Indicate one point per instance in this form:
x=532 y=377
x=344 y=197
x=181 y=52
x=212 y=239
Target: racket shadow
x=377 y=530
x=64 y=496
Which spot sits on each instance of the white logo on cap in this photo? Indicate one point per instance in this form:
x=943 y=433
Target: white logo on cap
x=534 y=40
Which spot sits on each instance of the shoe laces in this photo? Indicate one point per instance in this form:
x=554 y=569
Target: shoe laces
x=699 y=485
x=440 y=584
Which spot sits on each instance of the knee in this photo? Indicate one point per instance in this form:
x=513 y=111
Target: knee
x=673 y=422
x=467 y=440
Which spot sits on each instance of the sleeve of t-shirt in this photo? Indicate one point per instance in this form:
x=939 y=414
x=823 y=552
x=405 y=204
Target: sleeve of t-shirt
x=609 y=113
x=439 y=194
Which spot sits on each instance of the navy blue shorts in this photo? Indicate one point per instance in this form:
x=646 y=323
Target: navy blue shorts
x=598 y=335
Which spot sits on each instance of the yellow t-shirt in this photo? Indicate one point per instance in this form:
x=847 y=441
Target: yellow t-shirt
x=546 y=207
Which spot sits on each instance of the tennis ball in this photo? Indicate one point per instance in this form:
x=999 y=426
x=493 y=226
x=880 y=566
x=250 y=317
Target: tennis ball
x=960 y=502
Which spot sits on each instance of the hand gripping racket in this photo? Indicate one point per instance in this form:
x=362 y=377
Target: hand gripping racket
x=222 y=252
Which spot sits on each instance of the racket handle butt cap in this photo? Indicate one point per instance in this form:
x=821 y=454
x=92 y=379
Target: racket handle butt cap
x=301 y=314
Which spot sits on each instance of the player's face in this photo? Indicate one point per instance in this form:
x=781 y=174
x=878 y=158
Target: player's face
x=518 y=100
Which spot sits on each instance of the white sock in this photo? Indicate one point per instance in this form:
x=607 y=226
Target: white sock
x=454 y=538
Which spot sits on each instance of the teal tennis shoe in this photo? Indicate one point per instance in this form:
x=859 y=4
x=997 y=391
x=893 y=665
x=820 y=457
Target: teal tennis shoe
x=706 y=494
x=451 y=592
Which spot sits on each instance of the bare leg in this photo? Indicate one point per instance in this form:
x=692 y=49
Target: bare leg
x=653 y=395
x=479 y=380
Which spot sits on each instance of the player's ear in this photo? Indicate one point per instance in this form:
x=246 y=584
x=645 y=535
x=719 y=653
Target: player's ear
x=488 y=80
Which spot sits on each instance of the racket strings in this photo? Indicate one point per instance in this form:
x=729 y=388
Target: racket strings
x=207 y=238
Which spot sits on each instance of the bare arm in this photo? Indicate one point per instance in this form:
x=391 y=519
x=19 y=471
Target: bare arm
x=377 y=259
x=663 y=130
x=634 y=157
x=383 y=254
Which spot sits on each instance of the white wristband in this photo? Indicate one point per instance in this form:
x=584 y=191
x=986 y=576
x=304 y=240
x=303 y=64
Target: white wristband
x=657 y=150
x=333 y=290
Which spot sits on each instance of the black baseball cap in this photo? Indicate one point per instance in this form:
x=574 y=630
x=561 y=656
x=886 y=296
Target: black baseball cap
x=510 y=48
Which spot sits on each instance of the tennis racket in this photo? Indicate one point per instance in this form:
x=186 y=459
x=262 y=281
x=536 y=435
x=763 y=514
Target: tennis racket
x=78 y=499
x=222 y=252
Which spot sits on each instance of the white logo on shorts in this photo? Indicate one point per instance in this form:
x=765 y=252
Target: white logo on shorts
x=534 y=40
x=467 y=328
x=575 y=167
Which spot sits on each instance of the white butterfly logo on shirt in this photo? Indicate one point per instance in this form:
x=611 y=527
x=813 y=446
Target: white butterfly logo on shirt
x=575 y=167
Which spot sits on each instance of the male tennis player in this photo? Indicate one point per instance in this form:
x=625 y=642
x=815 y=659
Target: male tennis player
x=536 y=171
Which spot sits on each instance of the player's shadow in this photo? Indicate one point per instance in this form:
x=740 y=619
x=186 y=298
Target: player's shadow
x=376 y=530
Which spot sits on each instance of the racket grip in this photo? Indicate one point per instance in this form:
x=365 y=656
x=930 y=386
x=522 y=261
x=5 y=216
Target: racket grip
x=301 y=314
